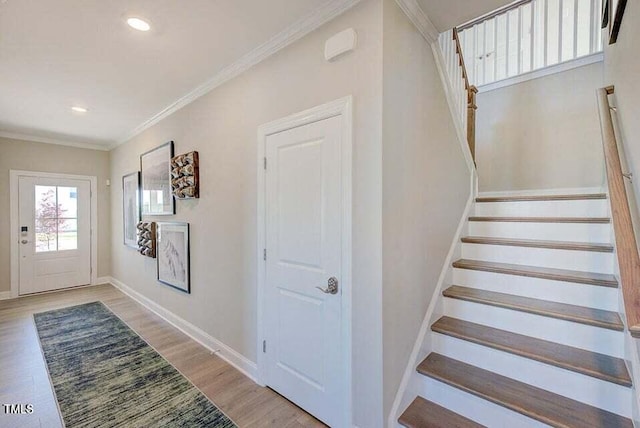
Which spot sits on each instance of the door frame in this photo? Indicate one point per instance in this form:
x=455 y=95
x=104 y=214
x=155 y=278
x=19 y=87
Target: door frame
x=342 y=107
x=14 y=222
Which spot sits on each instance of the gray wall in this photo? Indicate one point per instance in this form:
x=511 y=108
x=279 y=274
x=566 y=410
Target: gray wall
x=30 y=156
x=222 y=126
x=541 y=134
x=426 y=184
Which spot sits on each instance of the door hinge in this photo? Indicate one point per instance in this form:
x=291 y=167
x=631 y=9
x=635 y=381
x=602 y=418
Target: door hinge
x=265 y=163
x=264 y=254
x=264 y=346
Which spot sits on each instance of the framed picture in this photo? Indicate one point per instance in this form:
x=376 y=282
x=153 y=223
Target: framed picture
x=616 y=12
x=172 y=254
x=156 y=181
x=605 y=14
x=130 y=208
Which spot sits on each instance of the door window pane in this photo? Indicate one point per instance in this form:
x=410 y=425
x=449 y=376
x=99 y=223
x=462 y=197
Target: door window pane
x=68 y=200
x=68 y=234
x=46 y=238
x=56 y=214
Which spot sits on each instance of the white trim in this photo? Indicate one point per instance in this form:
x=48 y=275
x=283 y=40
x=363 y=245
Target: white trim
x=341 y=107
x=102 y=280
x=405 y=394
x=234 y=358
x=542 y=72
x=545 y=192
x=47 y=140
x=4 y=295
x=281 y=40
x=420 y=19
x=14 y=221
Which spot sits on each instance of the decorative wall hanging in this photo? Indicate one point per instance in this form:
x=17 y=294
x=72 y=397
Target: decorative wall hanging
x=130 y=208
x=173 y=255
x=147 y=238
x=156 y=181
x=616 y=13
x=612 y=14
x=185 y=176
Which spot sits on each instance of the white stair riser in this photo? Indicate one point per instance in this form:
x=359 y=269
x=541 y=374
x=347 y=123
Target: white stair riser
x=588 y=261
x=468 y=405
x=578 y=232
x=568 y=333
x=581 y=208
x=592 y=296
x=586 y=389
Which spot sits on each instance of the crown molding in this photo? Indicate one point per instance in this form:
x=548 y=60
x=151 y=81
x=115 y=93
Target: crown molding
x=47 y=140
x=281 y=40
x=420 y=19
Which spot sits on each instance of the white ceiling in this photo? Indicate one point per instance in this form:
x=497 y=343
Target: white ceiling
x=446 y=14
x=58 y=53
x=55 y=54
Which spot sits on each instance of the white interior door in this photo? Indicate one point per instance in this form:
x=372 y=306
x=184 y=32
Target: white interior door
x=304 y=354
x=55 y=233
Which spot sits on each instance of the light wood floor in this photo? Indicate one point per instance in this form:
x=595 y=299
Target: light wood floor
x=24 y=378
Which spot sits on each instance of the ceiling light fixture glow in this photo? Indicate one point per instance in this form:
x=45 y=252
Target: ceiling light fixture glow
x=79 y=109
x=138 y=24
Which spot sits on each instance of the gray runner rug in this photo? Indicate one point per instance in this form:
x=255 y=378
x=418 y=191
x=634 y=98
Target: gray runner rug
x=105 y=375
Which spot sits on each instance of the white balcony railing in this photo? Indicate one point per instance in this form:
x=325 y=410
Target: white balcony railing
x=530 y=35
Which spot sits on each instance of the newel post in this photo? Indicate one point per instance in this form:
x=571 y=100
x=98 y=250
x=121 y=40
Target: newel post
x=471 y=120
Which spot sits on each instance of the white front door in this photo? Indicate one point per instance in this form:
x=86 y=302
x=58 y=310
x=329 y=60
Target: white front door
x=303 y=316
x=55 y=233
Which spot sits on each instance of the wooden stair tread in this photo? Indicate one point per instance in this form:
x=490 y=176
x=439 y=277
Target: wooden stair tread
x=580 y=314
x=426 y=414
x=589 y=363
x=535 y=243
x=591 y=278
x=521 y=198
x=590 y=220
x=536 y=403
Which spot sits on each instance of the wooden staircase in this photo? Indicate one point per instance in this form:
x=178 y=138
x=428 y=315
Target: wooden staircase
x=530 y=333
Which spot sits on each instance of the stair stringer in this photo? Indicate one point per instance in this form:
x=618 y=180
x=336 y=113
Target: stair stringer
x=411 y=383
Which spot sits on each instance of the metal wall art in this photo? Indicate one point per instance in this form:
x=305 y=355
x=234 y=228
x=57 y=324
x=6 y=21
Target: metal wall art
x=185 y=176
x=147 y=238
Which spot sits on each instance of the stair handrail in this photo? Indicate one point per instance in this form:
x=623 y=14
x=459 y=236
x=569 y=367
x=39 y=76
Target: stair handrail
x=471 y=97
x=626 y=246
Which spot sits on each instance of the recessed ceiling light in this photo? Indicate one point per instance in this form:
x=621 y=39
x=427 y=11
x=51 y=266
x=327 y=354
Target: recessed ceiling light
x=138 y=24
x=79 y=109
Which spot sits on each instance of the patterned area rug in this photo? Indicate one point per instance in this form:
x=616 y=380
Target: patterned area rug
x=105 y=375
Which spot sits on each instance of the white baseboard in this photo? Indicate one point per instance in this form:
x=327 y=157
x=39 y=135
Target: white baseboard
x=241 y=363
x=403 y=398
x=4 y=295
x=544 y=192
x=102 y=280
